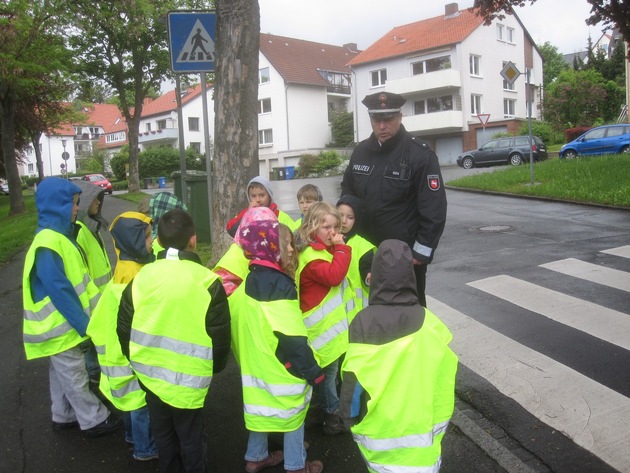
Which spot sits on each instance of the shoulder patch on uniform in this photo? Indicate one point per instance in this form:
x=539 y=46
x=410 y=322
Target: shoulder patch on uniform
x=433 y=180
x=419 y=142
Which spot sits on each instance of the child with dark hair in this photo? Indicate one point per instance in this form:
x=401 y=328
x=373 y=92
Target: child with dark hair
x=174 y=326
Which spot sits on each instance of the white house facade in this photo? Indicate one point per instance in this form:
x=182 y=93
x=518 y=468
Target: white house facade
x=449 y=70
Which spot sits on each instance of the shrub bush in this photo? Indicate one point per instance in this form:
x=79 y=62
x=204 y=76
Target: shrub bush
x=326 y=160
x=541 y=129
x=305 y=165
x=120 y=185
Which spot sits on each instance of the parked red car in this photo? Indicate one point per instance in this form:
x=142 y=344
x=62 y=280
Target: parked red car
x=99 y=180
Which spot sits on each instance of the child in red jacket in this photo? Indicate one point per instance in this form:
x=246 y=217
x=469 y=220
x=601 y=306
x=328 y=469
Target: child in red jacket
x=323 y=290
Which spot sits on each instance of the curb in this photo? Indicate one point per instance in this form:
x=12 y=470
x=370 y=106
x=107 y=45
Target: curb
x=491 y=446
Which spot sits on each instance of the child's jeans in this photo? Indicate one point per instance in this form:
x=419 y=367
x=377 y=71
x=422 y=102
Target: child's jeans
x=138 y=432
x=294 y=453
x=329 y=398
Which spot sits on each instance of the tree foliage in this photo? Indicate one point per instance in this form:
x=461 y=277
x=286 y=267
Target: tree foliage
x=554 y=62
x=33 y=63
x=611 y=14
x=123 y=45
x=580 y=98
x=342 y=128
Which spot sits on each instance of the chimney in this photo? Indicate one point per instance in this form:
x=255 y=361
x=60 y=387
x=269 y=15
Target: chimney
x=451 y=9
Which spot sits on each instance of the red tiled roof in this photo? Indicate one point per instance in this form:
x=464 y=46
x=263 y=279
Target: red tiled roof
x=421 y=36
x=297 y=61
x=168 y=101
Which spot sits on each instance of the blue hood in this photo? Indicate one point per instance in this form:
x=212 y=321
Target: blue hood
x=54 y=205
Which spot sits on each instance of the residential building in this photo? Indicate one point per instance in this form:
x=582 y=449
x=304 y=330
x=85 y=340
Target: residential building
x=301 y=83
x=449 y=70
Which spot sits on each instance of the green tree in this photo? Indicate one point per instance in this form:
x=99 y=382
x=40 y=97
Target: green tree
x=610 y=13
x=554 y=62
x=342 y=128
x=123 y=45
x=28 y=33
x=577 y=98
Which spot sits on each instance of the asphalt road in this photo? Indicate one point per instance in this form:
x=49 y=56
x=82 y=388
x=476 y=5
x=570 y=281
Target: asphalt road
x=493 y=430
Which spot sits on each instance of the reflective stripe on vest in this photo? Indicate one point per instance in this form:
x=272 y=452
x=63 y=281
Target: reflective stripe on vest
x=266 y=411
x=170 y=344
x=274 y=389
x=172 y=377
x=46 y=331
x=407 y=441
x=435 y=468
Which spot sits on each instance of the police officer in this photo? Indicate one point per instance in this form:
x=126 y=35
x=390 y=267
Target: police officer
x=398 y=179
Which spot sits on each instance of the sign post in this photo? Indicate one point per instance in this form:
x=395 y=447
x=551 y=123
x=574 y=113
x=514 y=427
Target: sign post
x=191 y=42
x=483 y=119
x=510 y=73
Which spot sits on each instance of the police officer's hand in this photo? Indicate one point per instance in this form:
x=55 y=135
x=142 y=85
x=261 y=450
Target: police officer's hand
x=417 y=262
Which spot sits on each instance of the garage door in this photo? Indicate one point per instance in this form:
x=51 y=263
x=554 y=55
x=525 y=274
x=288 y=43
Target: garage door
x=447 y=149
x=490 y=131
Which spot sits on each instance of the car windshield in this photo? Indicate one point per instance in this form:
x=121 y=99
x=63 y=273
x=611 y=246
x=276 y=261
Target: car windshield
x=96 y=177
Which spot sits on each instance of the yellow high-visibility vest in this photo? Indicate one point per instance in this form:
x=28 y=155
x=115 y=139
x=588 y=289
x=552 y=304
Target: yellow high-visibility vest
x=46 y=332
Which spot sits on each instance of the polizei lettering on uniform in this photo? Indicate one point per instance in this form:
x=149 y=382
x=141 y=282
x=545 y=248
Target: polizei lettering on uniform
x=362 y=169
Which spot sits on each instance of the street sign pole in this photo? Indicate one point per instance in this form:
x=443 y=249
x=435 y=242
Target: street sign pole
x=483 y=119
x=510 y=73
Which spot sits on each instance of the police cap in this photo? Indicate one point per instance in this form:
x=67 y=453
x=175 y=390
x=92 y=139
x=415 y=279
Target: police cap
x=384 y=104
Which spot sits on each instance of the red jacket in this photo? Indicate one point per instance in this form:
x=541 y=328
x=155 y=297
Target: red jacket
x=319 y=276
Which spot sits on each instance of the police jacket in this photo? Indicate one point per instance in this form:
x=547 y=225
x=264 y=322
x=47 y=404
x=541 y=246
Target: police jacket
x=400 y=185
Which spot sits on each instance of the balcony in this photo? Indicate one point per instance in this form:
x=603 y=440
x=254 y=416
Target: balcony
x=439 y=122
x=161 y=136
x=433 y=82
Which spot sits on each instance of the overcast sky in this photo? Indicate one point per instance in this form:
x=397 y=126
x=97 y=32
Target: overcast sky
x=561 y=22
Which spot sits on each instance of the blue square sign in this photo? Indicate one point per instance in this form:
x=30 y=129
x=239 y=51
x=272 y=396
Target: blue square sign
x=191 y=40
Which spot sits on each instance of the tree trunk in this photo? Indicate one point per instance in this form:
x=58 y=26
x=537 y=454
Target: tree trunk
x=7 y=121
x=236 y=122
x=133 y=125
x=38 y=156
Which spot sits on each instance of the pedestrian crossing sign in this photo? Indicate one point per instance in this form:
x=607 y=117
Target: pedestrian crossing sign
x=191 y=40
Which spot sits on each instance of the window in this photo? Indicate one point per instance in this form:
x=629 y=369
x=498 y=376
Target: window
x=506 y=84
x=264 y=106
x=431 y=65
x=193 y=123
x=433 y=104
x=475 y=65
x=30 y=167
x=265 y=137
x=115 y=137
x=263 y=75
x=475 y=104
x=196 y=146
x=161 y=124
x=379 y=77
x=500 y=29
x=509 y=107
x=148 y=126
x=510 y=35
x=616 y=131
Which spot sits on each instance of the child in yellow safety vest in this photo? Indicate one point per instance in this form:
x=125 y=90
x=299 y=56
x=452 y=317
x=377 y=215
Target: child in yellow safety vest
x=278 y=367
x=325 y=297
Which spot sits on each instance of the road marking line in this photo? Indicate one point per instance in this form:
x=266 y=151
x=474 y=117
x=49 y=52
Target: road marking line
x=591 y=272
x=592 y=415
x=623 y=251
x=595 y=320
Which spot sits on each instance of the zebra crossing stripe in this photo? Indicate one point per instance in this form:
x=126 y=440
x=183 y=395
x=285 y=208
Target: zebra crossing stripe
x=595 y=320
x=591 y=272
x=592 y=415
x=623 y=251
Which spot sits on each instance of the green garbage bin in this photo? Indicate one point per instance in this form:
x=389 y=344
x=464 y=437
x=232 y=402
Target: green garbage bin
x=196 y=188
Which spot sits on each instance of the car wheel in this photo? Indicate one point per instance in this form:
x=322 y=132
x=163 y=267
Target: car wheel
x=625 y=149
x=468 y=163
x=570 y=154
x=516 y=159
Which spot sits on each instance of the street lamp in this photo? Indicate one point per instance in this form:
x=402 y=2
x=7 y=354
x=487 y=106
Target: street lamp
x=64 y=156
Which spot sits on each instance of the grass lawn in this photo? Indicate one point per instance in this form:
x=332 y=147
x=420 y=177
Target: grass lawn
x=599 y=179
